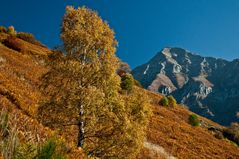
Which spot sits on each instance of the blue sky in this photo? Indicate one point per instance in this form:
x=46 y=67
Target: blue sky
x=143 y=27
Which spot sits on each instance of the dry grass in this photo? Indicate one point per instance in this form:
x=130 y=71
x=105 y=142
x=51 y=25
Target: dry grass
x=20 y=74
x=19 y=78
x=169 y=128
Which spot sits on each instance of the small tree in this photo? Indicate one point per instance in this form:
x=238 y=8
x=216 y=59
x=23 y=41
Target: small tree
x=172 y=101
x=193 y=120
x=164 y=101
x=127 y=82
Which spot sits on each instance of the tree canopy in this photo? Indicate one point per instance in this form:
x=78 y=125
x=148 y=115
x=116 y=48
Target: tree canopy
x=82 y=88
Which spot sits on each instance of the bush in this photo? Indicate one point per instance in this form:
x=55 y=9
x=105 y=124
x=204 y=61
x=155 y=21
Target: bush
x=49 y=151
x=11 y=30
x=3 y=29
x=172 y=101
x=127 y=82
x=29 y=38
x=193 y=120
x=232 y=133
x=219 y=135
x=12 y=43
x=164 y=101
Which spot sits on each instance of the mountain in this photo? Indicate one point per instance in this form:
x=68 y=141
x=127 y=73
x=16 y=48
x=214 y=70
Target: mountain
x=207 y=85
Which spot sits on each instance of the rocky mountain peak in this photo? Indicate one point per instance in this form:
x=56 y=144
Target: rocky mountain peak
x=207 y=85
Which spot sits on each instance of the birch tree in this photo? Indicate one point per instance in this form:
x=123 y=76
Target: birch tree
x=82 y=88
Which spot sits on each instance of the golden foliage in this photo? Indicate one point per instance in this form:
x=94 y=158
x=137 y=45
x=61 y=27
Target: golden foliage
x=85 y=33
x=83 y=90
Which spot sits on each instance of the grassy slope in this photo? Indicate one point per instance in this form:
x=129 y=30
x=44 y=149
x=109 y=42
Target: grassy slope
x=19 y=94
x=19 y=78
x=169 y=128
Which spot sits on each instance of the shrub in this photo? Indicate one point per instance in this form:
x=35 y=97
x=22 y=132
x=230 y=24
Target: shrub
x=232 y=133
x=11 y=30
x=172 y=101
x=29 y=38
x=3 y=29
x=164 y=101
x=193 y=120
x=219 y=135
x=12 y=43
x=127 y=82
x=50 y=150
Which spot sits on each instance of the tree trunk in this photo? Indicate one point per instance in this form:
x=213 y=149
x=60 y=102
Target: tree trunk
x=81 y=135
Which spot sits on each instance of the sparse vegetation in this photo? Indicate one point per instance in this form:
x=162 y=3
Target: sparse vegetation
x=171 y=101
x=194 y=120
x=164 y=101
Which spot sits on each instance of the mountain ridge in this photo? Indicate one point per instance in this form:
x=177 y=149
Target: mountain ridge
x=194 y=80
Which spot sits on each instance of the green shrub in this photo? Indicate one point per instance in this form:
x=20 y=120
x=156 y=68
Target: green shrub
x=127 y=82
x=47 y=151
x=3 y=29
x=194 y=120
x=29 y=38
x=164 y=101
x=11 y=30
x=172 y=101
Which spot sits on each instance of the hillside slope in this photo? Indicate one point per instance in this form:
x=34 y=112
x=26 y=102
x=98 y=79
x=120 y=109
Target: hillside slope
x=209 y=86
x=169 y=128
x=169 y=133
x=19 y=95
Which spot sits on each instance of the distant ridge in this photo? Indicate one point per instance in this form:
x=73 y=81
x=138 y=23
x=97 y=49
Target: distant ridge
x=208 y=85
